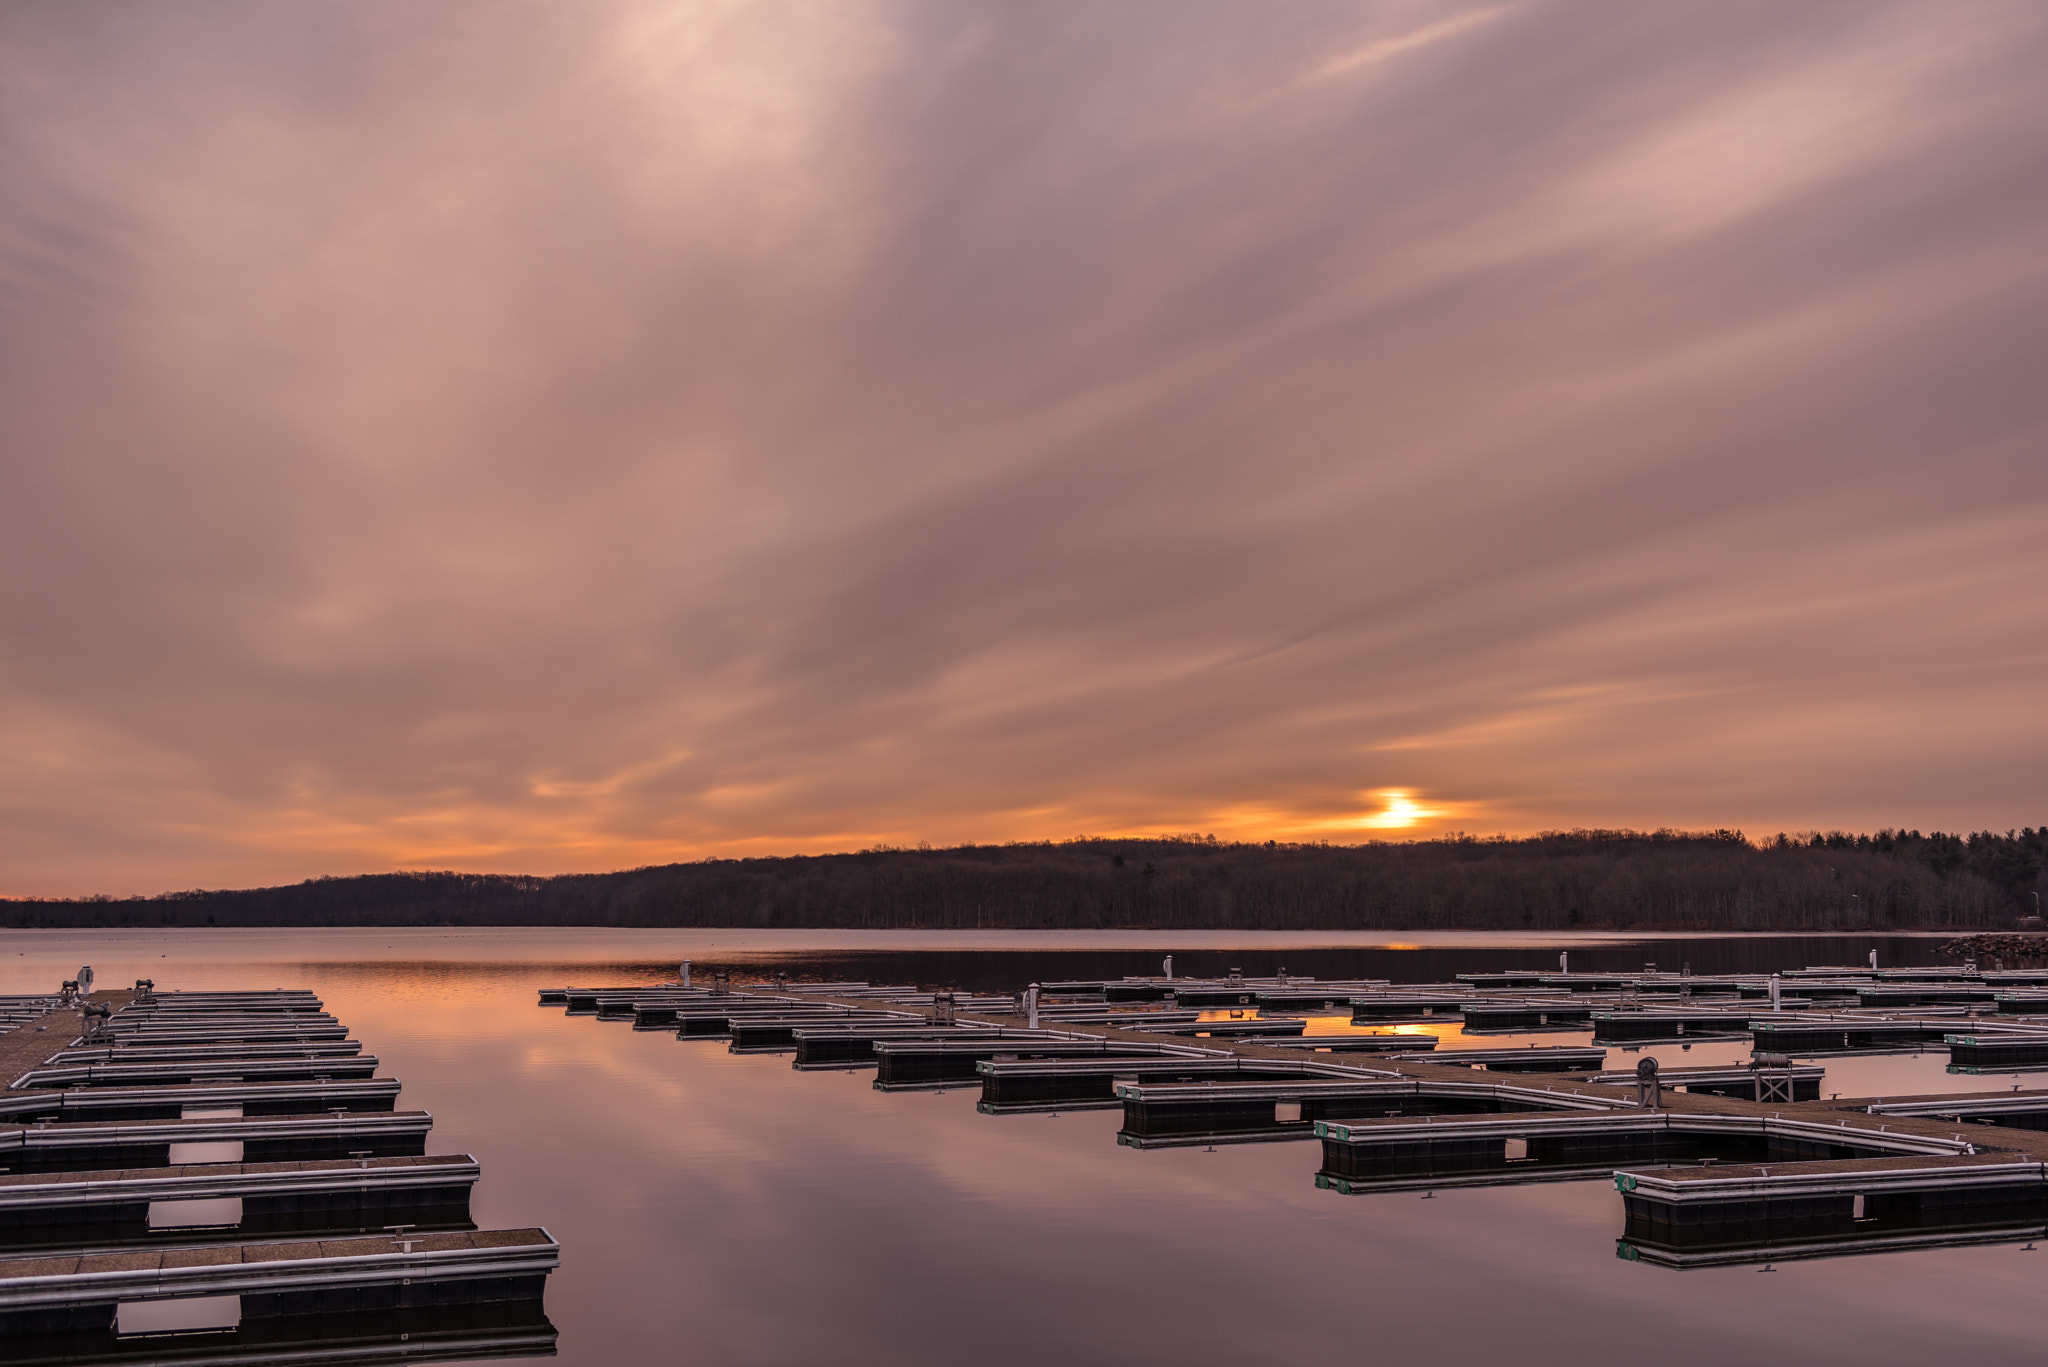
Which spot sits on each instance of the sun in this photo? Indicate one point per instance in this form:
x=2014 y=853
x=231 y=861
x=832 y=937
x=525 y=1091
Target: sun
x=1399 y=812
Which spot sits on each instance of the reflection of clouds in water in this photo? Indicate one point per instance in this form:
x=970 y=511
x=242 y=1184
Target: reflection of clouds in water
x=762 y=1215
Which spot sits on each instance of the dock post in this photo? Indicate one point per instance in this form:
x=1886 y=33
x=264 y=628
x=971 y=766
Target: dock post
x=1031 y=1004
x=686 y=973
x=1649 y=1092
x=1564 y=962
x=1774 y=992
x=1168 y=966
x=1873 y=961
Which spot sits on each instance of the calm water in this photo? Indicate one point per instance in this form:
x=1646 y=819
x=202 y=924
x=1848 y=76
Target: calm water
x=720 y=1210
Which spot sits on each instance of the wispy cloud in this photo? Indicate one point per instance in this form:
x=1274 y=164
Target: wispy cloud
x=551 y=437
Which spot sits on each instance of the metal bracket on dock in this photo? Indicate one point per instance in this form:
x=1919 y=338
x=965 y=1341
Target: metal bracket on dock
x=1649 y=1092
x=1773 y=1076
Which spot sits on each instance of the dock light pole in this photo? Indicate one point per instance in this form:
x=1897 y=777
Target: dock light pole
x=1774 y=992
x=1031 y=1004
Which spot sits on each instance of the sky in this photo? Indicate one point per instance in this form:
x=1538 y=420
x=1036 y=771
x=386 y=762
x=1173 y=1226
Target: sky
x=534 y=437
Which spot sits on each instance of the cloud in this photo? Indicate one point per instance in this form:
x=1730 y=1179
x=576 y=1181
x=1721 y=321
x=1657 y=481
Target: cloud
x=534 y=439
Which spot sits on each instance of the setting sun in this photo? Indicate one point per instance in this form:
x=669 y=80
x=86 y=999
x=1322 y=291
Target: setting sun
x=1400 y=812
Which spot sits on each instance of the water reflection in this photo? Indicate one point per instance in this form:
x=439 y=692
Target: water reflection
x=728 y=1210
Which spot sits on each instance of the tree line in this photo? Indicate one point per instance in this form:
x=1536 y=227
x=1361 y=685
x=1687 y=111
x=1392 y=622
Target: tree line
x=1560 y=880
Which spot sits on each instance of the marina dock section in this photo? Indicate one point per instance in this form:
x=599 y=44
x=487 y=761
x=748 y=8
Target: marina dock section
x=222 y=1174
x=1716 y=1164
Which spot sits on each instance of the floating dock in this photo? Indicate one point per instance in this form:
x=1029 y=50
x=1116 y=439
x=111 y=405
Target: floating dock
x=1716 y=1165
x=220 y=1177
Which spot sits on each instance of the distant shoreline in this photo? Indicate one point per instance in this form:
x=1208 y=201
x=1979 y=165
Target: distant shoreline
x=1612 y=882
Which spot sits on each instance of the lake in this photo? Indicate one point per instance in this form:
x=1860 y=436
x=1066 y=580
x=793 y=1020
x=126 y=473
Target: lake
x=727 y=1210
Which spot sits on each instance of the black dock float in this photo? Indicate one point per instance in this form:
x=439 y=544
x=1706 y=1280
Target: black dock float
x=778 y=1034
x=1334 y=996
x=1541 y=1014
x=1249 y=1028
x=253 y=1036
x=1378 y=1009
x=820 y=1047
x=494 y=1331
x=1020 y=1087
x=1549 y=1058
x=212 y=1201
x=225 y=1139
x=222 y=1070
x=1292 y=994
x=46 y=1298
x=1992 y=1053
x=1163 y=1115
x=920 y=1065
x=1662 y=1023
x=1129 y=990
x=1714 y=1216
x=174 y=1103
x=713 y=1023
x=1397 y=1045
x=1893 y=997
x=2014 y=1110
x=150 y=1051
x=1363 y=1156
x=1845 y=1035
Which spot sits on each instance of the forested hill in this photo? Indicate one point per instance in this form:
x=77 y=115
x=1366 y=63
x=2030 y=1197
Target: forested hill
x=1578 y=879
